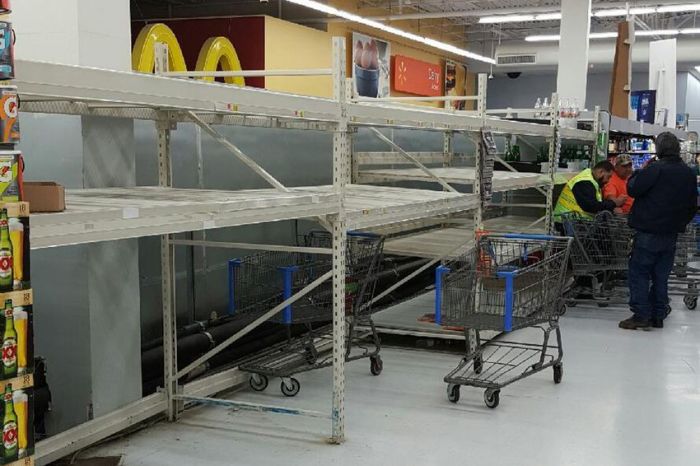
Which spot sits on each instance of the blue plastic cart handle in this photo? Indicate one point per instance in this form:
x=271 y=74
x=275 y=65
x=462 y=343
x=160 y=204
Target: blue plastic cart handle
x=361 y=234
x=508 y=310
x=233 y=264
x=287 y=275
x=440 y=271
x=531 y=236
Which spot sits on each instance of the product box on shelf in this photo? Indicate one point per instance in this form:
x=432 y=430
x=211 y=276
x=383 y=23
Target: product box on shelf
x=7 y=54
x=44 y=196
x=11 y=183
x=9 y=110
x=14 y=246
x=17 y=406
x=17 y=331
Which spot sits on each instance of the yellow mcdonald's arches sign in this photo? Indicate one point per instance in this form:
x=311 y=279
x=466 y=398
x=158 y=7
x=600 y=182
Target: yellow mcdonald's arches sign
x=215 y=51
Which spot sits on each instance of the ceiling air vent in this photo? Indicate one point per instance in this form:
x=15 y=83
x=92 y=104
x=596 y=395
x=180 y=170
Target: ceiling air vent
x=517 y=59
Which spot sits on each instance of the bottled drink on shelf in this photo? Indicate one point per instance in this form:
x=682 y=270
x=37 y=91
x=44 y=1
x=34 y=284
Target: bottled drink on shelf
x=538 y=106
x=6 y=278
x=9 y=427
x=9 y=343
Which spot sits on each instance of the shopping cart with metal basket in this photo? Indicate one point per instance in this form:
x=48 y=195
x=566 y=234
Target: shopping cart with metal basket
x=600 y=258
x=685 y=276
x=508 y=282
x=265 y=280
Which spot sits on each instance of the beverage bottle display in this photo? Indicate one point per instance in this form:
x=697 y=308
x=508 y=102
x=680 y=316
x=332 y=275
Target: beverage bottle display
x=9 y=427
x=9 y=343
x=6 y=278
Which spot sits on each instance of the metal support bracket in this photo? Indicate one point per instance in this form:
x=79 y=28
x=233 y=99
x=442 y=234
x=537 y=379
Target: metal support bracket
x=415 y=161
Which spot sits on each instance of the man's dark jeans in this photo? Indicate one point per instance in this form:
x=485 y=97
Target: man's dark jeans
x=649 y=268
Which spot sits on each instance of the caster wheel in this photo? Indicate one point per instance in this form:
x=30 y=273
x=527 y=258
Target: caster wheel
x=292 y=389
x=376 y=365
x=258 y=382
x=492 y=398
x=478 y=365
x=691 y=302
x=453 y=393
x=558 y=372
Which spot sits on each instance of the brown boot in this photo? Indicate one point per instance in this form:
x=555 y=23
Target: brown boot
x=633 y=323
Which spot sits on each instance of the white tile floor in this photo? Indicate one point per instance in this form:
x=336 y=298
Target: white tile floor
x=628 y=398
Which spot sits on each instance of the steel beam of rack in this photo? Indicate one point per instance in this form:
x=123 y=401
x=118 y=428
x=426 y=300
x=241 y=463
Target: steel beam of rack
x=167 y=265
x=554 y=151
x=341 y=178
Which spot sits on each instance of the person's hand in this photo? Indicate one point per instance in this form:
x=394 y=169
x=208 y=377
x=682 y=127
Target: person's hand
x=619 y=200
x=618 y=210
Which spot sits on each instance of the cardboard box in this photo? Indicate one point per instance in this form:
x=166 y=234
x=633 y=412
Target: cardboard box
x=45 y=196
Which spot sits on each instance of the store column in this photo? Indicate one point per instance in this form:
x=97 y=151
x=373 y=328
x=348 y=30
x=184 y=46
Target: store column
x=572 y=73
x=96 y=297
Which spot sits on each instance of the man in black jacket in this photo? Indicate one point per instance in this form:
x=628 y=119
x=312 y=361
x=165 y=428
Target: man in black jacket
x=665 y=201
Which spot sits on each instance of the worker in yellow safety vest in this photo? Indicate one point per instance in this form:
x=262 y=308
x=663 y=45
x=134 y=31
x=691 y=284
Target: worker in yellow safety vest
x=582 y=195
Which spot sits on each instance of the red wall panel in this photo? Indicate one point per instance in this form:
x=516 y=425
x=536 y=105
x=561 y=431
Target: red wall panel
x=247 y=35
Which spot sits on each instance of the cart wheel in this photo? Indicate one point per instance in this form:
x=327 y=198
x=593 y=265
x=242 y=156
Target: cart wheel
x=376 y=365
x=491 y=398
x=478 y=364
x=691 y=302
x=258 y=382
x=558 y=372
x=453 y=392
x=291 y=390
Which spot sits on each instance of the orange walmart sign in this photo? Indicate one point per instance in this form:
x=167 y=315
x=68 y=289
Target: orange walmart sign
x=416 y=77
x=215 y=51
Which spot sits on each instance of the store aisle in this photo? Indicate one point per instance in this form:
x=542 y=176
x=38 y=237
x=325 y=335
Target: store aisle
x=627 y=398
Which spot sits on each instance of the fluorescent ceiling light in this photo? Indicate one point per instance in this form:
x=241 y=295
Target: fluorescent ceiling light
x=610 y=12
x=314 y=5
x=612 y=35
x=506 y=19
x=602 y=35
x=657 y=32
x=678 y=8
x=547 y=16
x=550 y=38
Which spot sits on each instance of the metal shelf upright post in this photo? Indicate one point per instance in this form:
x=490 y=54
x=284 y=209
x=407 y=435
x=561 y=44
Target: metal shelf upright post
x=341 y=178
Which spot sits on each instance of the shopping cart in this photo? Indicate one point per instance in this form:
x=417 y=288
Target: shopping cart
x=686 y=276
x=600 y=256
x=508 y=282
x=267 y=279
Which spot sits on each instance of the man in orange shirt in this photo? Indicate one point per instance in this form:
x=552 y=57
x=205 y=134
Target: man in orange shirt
x=617 y=186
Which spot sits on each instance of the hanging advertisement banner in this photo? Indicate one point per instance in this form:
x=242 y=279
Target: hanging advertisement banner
x=371 y=66
x=416 y=77
x=455 y=84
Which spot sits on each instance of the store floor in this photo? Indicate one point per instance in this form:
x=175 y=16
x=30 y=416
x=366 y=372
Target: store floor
x=627 y=398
